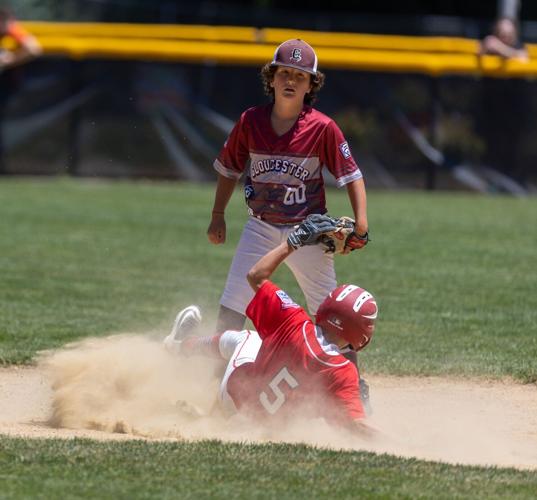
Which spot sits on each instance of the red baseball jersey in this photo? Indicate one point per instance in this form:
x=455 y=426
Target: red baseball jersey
x=284 y=180
x=296 y=371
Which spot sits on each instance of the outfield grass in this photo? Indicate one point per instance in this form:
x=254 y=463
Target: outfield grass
x=211 y=469
x=454 y=274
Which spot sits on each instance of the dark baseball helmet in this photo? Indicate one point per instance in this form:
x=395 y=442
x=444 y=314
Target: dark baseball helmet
x=349 y=312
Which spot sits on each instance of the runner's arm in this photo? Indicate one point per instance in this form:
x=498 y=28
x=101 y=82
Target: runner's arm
x=363 y=429
x=262 y=270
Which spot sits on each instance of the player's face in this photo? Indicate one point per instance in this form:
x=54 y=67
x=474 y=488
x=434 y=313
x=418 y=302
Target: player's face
x=291 y=83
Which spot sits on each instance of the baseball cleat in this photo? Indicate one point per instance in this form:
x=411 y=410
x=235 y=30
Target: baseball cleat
x=185 y=323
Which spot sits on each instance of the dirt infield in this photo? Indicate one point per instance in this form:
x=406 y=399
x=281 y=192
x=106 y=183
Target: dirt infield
x=126 y=387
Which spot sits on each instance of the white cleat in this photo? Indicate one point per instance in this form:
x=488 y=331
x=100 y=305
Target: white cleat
x=185 y=323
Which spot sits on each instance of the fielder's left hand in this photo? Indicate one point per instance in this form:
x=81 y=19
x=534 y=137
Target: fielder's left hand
x=310 y=230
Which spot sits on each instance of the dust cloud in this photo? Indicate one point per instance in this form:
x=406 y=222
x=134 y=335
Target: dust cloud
x=131 y=384
x=128 y=385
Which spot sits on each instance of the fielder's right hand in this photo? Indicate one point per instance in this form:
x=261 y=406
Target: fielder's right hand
x=217 y=229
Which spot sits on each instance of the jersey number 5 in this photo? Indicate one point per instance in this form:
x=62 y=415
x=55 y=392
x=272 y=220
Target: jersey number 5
x=282 y=376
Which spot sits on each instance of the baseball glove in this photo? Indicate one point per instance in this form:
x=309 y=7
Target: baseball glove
x=344 y=238
x=312 y=228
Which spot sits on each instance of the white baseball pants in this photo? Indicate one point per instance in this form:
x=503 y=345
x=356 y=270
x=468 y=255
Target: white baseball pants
x=312 y=268
x=239 y=348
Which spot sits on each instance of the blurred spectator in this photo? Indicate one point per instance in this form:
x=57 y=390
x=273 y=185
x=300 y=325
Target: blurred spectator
x=504 y=41
x=505 y=38
x=504 y=119
x=25 y=48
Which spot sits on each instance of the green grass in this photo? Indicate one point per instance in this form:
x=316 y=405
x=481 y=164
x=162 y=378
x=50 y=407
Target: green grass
x=92 y=258
x=210 y=469
x=454 y=274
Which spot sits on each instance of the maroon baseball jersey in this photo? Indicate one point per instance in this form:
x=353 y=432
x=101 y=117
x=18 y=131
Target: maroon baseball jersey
x=296 y=371
x=284 y=174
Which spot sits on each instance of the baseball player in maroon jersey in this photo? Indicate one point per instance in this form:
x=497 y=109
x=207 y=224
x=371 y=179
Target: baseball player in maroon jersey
x=291 y=365
x=282 y=149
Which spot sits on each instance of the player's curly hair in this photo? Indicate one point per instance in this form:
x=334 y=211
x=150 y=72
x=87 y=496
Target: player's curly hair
x=267 y=76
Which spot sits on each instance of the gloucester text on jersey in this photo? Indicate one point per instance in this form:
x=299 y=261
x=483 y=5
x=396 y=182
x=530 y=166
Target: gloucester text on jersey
x=265 y=168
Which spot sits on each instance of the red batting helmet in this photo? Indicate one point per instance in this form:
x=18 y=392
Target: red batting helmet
x=349 y=312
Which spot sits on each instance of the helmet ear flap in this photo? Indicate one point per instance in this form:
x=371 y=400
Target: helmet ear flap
x=366 y=339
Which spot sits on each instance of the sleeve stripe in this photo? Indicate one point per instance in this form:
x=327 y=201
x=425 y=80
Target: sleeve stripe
x=226 y=172
x=345 y=179
x=312 y=352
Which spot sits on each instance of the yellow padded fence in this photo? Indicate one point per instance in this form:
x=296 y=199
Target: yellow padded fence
x=251 y=46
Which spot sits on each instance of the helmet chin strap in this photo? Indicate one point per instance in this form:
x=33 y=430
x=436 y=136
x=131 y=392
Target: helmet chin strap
x=334 y=340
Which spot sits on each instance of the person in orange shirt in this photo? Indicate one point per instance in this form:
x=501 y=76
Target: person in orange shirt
x=26 y=47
